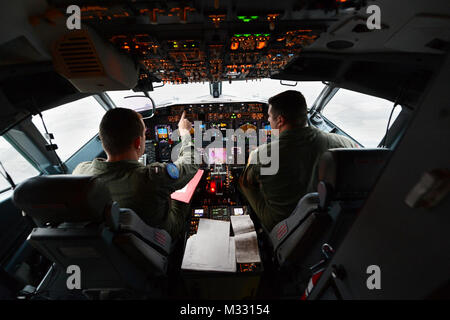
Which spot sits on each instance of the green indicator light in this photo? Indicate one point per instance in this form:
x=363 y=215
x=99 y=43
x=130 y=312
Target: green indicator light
x=254 y=17
x=237 y=35
x=266 y=34
x=247 y=20
x=257 y=34
x=247 y=35
x=241 y=17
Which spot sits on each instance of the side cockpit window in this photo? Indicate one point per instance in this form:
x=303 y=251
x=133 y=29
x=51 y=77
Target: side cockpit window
x=72 y=124
x=18 y=168
x=363 y=117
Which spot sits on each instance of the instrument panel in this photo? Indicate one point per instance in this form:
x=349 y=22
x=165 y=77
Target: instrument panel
x=220 y=116
x=217 y=195
x=221 y=163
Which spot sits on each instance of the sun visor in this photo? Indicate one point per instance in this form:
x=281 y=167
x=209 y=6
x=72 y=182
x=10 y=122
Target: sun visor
x=91 y=64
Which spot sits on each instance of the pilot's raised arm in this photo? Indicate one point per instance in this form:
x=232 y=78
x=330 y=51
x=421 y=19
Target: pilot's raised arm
x=145 y=189
x=176 y=175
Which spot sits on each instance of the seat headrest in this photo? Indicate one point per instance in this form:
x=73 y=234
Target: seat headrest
x=350 y=173
x=63 y=198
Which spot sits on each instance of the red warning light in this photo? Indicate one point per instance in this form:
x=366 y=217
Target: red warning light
x=212 y=186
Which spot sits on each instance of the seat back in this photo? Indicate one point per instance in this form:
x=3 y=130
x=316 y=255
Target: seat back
x=80 y=225
x=346 y=177
x=349 y=174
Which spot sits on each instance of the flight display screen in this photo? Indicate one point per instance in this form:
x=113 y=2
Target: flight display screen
x=217 y=155
x=162 y=133
x=199 y=213
x=248 y=126
x=219 y=213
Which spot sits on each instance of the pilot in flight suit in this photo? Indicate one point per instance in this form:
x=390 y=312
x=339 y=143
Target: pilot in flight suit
x=274 y=197
x=145 y=189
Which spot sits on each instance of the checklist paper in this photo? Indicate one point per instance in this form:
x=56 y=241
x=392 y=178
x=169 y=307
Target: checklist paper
x=245 y=239
x=211 y=249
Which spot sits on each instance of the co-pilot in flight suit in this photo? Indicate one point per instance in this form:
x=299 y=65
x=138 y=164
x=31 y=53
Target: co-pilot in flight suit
x=147 y=189
x=274 y=197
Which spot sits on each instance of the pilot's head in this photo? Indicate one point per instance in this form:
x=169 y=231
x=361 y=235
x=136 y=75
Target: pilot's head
x=122 y=132
x=287 y=110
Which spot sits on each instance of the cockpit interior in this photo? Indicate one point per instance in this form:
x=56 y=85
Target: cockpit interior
x=376 y=72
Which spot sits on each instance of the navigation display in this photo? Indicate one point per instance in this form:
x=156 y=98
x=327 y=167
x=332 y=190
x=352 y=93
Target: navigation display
x=219 y=213
x=162 y=133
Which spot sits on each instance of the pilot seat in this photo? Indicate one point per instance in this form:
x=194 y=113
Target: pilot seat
x=80 y=227
x=346 y=177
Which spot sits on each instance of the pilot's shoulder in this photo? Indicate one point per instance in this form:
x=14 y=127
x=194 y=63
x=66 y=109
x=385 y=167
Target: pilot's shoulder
x=339 y=141
x=83 y=168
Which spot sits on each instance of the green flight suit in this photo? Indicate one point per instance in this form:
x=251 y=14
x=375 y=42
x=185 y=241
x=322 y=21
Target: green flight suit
x=274 y=197
x=147 y=189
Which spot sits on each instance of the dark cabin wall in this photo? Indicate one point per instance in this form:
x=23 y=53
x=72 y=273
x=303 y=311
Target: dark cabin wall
x=411 y=246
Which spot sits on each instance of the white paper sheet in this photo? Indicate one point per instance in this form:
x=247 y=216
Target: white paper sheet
x=211 y=249
x=247 y=248
x=242 y=224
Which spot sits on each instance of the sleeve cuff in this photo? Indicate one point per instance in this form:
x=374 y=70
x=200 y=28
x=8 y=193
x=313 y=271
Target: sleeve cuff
x=185 y=139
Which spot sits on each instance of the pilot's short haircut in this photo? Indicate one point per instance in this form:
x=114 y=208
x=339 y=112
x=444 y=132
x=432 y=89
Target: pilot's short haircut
x=291 y=105
x=119 y=128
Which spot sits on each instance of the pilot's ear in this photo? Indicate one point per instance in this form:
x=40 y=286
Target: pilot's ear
x=281 y=121
x=137 y=143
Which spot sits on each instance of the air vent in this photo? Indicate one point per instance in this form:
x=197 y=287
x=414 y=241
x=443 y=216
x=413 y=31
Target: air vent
x=92 y=64
x=75 y=56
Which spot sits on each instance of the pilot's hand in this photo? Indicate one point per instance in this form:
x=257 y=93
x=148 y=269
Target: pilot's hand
x=184 y=125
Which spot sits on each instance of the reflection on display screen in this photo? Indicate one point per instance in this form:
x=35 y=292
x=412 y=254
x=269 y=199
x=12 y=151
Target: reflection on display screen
x=217 y=155
x=198 y=213
x=238 y=211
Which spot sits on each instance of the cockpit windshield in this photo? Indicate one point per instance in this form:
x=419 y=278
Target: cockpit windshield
x=260 y=90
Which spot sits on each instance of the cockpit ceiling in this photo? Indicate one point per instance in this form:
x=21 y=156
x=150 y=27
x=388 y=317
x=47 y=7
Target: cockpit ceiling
x=197 y=41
